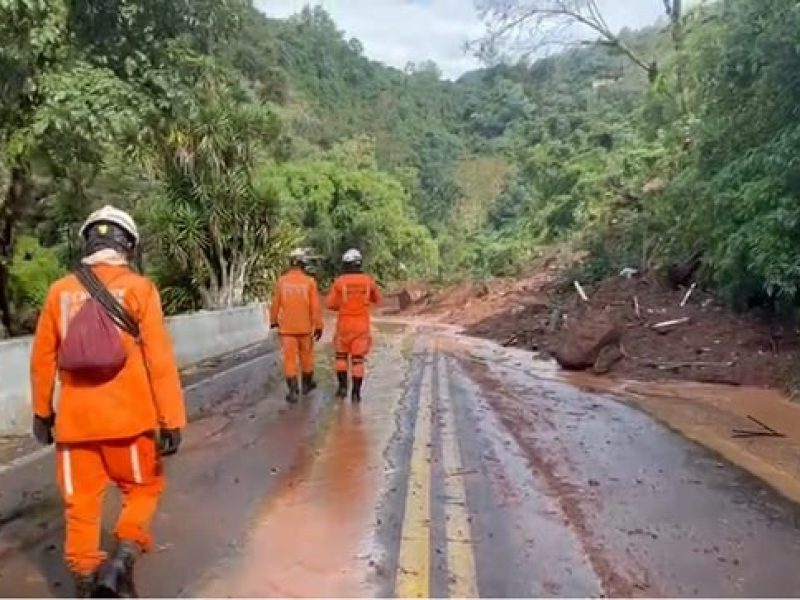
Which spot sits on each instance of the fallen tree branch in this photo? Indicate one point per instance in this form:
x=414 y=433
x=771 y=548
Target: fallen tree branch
x=666 y=365
x=764 y=425
x=747 y=433
x=696 y=365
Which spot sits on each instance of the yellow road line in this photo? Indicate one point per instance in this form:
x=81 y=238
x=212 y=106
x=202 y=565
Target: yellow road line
x=463 y=582
x=413 y=569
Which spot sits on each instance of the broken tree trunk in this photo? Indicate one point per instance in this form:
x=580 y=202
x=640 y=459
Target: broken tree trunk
x=669 y=365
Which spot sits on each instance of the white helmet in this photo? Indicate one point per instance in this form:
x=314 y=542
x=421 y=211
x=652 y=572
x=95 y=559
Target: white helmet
x=352 y=256
x=298 y=255
x=112 y=215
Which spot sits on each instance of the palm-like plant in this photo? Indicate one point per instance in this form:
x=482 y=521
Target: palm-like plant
x=210 y=221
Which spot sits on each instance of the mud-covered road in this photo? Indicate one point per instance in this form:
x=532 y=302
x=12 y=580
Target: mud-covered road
x=464 y=473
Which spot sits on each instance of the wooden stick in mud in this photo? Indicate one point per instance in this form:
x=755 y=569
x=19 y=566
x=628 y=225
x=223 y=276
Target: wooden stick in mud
x=688 y=295
x=636 y=307
x=697 y=365
x=581 y=292
x=764 y=425
x=674 y=322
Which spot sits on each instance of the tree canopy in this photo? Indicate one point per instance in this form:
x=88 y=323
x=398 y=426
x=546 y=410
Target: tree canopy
x=233 y=137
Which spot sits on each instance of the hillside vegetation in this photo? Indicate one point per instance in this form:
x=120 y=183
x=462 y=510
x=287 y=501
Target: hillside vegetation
x=233 y=137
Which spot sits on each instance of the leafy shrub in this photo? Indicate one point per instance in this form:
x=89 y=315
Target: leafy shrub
x=33 y=269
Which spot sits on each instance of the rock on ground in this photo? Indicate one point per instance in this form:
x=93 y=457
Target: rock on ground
x=585 y=338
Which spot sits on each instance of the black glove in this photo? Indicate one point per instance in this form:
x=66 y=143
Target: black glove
x=43 y=429
x=317 y=335
x=168 y=441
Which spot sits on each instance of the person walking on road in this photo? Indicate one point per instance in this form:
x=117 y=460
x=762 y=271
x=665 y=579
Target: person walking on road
x=296 y=312
x=101 y=333
x=352 y=295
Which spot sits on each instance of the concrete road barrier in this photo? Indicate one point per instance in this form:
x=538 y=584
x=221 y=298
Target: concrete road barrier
x=206 y=334
x=196 y=337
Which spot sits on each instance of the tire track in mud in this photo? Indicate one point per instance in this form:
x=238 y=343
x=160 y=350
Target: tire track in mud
x=569 y=497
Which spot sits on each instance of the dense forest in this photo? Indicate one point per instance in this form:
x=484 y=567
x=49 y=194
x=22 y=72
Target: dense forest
x=233 y=137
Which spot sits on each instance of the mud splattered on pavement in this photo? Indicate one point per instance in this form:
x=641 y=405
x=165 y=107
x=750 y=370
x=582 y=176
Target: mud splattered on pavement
x=654 y=514
x=470 y=469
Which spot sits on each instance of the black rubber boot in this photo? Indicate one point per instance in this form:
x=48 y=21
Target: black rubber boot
x=84 y=584
x=356 y=395
x=341 y=376
x=293 y=394
x=309 y=385
x=115 y=578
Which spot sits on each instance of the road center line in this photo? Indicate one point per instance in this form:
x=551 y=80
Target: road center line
x=413 y=565
x=463 y=582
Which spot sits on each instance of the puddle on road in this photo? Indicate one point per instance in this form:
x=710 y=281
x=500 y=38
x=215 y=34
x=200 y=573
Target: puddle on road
x=314 y=537
x=301 y=541
x=708 y=414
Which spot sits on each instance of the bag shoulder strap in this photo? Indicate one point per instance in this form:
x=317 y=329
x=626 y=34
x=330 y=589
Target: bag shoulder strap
x=118 y=313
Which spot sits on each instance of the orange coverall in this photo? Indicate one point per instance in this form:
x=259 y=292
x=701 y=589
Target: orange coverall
x=352 y=295
x=297 y=311
x=105 y=433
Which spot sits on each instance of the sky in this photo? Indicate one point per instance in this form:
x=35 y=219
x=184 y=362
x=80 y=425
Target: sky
x=397 y=32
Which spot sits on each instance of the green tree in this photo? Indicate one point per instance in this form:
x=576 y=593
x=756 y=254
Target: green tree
x=211 y=223
x=83 y=80
x=33 y=270
x=58 y=115
x=341 y=201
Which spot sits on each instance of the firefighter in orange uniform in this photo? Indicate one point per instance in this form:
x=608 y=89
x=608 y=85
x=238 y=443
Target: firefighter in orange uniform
x=297 y=314
x=352 y=295
x=110 y=432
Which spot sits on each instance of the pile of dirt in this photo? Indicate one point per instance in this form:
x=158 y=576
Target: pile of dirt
x=662 y=337
x=668 y=335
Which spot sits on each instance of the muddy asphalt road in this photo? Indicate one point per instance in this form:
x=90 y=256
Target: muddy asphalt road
x=463 y=473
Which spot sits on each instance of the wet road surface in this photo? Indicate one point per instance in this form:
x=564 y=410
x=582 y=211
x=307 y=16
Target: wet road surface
x=465 y=472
